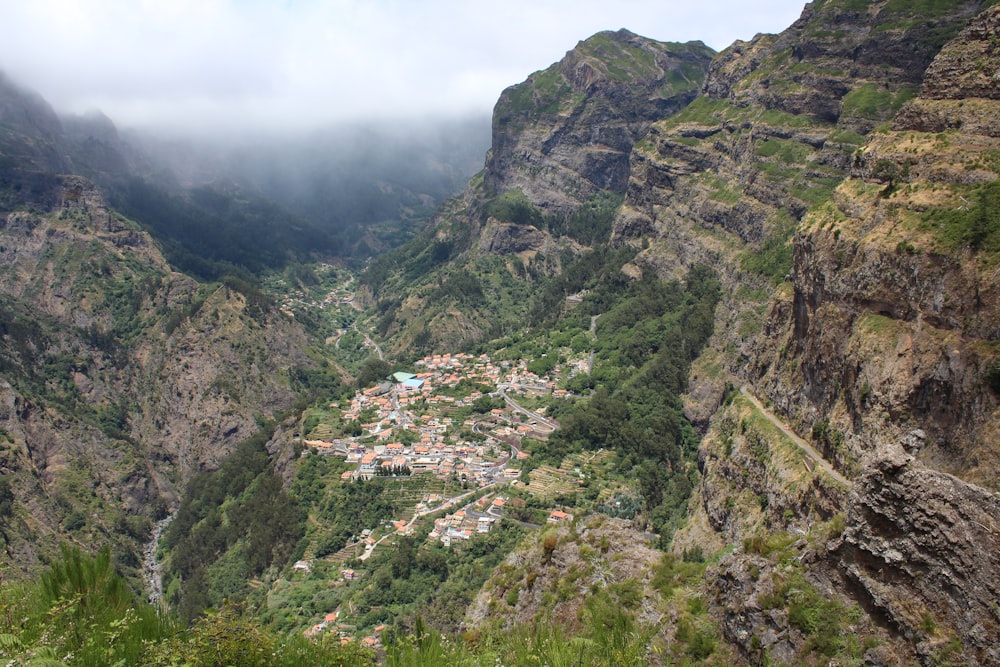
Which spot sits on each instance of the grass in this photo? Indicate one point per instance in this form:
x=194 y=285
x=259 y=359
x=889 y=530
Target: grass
x=706 y=111
x=787 y=151
x=784 y=119
x=544 y=92
x=874 y=102
x=773 y=258
x=720 y=189
x=815 y=191
x=846 y=137
x=975 y=224
x=783 y=456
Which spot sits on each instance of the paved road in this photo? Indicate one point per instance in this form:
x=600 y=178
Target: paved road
x=523 y=410
x=803 y=445
x=451 y=502
x=369 y=342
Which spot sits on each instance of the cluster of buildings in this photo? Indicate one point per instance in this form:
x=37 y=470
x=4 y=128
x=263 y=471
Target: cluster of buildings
x=417 y=406
x=475 y=518
x=330 y=624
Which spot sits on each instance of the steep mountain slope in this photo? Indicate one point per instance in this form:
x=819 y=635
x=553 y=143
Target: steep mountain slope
x=895 y=309
x=841 y=177
x=554 y=175
x=30 y=134
x=881 y=337
x=566 y=132
x=119 y=378
x=781 y=121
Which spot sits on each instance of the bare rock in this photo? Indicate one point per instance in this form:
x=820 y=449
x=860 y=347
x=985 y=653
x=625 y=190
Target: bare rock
x=923 y=547
x=967 y=66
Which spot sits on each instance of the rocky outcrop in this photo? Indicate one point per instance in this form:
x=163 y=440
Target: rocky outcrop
x=506 y=238
x=564 y=559
x=567 y=131
x=923 y=549
x=966 y=67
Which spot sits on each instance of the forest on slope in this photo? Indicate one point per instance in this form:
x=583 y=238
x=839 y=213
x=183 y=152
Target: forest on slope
x=795 y=207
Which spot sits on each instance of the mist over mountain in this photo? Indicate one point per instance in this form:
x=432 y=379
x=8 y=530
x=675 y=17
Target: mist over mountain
x=701 y=366
x=346 y=179
x=256 y=201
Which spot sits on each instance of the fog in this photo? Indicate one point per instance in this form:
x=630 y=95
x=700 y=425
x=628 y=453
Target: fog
x=233 y=67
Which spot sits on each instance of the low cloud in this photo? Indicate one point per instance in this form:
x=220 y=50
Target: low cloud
x=194 y=65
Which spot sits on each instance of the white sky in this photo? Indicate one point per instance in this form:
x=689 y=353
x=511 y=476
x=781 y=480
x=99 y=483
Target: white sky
x=256 y=64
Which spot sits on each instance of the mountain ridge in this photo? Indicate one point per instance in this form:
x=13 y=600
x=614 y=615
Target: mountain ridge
x=833 y=189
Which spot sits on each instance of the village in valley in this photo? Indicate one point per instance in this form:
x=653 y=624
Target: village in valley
x=446 y=433
x=407 y=428
x=457 y=419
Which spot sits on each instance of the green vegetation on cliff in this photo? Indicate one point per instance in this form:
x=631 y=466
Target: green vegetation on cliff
x=233 y=524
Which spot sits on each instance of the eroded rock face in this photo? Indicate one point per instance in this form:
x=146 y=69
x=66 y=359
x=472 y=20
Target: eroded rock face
x=567 y=131
x=777 y=122
x=894 y=305
x=923 y=547
x=507 y=238
x=966 y=67
x=879 y=342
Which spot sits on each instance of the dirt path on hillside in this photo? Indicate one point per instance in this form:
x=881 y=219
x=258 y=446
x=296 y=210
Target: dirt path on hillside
x=810 y=451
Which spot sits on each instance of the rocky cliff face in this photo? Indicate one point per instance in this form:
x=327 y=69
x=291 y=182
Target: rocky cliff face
x=777 y=122
x=780 y=122
x=880 y=336
x=922 y=548
x=567 y=131
x=889 y=330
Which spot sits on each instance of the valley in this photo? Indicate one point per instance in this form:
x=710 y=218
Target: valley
x=702 y=367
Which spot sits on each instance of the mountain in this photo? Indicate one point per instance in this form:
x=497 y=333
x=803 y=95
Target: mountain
x=566 y=133
x=782 y=260
x=120 y=378
x=840 y=177
x=30 y=133
x=552 y=180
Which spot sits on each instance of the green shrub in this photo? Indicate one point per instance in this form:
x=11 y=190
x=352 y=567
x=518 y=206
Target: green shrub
x=514 y=206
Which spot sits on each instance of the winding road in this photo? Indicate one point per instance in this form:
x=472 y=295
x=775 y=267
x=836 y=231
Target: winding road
x=514 y=405
x=810 y=451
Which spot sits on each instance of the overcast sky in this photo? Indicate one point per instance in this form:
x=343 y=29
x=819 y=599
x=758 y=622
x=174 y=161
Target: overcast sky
x=269 y=63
